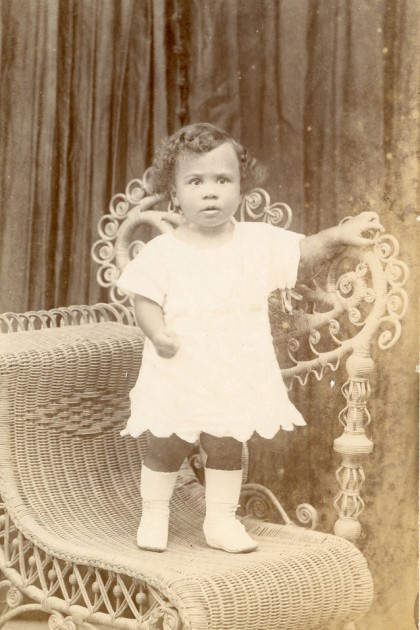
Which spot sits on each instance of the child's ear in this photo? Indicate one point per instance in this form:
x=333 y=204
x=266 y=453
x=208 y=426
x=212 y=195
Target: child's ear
x=174 y=197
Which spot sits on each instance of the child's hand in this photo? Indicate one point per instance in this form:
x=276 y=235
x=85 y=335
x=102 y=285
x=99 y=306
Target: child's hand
x=359 y=230
x=166 y=343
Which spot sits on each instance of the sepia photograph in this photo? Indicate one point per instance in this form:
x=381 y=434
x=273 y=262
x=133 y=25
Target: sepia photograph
x=209 y=323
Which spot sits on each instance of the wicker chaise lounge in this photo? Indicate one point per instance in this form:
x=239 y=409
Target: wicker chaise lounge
x=70 y=484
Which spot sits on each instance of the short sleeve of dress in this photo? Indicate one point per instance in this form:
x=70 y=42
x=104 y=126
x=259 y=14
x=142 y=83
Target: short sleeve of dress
x=284 y=257
x=146 y=274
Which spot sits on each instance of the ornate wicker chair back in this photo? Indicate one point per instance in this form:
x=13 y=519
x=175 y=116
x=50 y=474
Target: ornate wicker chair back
x=352 y=299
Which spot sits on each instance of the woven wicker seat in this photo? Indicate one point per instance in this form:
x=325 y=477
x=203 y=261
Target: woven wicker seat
x=71 y=502
x=71 y=487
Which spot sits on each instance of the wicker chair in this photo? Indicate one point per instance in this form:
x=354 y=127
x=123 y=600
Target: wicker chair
x=70 y=484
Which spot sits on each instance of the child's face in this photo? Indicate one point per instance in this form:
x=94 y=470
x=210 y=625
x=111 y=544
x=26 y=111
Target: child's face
x=208 y=186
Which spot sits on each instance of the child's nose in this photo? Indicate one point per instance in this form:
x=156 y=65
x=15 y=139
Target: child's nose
x=210 y=192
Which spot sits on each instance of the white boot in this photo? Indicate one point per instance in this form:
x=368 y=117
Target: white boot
x=221 y=527
x=156 y=489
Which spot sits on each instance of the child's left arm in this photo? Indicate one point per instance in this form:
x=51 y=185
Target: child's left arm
x=357 y=231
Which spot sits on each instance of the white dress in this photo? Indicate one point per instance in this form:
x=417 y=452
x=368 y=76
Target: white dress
x=225 y=379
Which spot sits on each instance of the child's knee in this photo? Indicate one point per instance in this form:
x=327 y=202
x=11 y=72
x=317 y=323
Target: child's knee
x=166 y=454
x=222 y=453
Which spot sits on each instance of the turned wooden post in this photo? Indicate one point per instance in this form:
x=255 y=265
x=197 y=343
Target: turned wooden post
x=353 y=445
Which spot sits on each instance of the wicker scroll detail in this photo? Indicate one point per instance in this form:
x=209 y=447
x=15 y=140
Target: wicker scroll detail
x=257 y=206
x=57 y=621
x=134 y=217
x=355 y=299
x=359 y=297
x=352 y=298
x=76 y=596
x=258 y=501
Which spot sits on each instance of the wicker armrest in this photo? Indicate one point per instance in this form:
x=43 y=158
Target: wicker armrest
x=59 y=386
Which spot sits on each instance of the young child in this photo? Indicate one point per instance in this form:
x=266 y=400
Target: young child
x=209 y=370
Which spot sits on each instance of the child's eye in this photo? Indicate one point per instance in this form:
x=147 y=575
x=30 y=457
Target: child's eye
x=222 y=180
x=195 y=181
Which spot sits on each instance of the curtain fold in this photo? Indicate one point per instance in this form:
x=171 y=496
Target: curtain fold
x=83 y=96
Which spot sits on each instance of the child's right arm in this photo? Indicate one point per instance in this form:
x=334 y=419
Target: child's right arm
x=149 y=317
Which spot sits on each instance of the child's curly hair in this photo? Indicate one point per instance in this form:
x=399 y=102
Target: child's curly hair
x=200 y=138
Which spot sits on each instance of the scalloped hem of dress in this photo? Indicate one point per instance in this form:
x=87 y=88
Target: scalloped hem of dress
x=241 y=437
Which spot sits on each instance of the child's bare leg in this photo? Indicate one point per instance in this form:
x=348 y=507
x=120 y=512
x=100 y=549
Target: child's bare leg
x=222 y=453
x=158 y=477
x=166 y=454
x=223 y=487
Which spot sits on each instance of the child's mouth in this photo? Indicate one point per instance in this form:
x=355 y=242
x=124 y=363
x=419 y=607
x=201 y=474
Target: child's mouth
x=211 y=211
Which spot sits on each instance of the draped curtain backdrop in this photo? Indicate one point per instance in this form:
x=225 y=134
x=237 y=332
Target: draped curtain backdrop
x=324 y=92
x=84 y=100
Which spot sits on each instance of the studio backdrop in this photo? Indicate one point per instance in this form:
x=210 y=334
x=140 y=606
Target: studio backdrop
x=324 y=92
